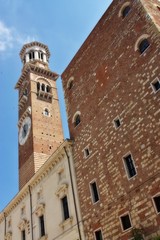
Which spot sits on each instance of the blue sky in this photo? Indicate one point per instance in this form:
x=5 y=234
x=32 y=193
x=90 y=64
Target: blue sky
x=63 y=26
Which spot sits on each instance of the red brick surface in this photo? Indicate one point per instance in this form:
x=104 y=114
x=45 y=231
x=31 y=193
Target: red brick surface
x=112 y=79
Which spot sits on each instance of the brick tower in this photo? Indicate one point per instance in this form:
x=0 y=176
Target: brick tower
x=40 y=129
x=112 y=93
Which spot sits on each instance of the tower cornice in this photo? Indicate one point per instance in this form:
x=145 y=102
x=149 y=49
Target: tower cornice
x=31 y=68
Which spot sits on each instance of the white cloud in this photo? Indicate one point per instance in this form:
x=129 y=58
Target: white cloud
x=6 y=38
x=9 y=37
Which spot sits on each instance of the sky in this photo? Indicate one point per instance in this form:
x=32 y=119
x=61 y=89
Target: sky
x=63 y=26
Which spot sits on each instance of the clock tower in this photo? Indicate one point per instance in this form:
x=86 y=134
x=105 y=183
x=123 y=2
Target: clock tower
x=40 y=129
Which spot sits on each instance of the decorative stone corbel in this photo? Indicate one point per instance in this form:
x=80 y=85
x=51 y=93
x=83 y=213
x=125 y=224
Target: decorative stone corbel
x=40 y=209
x=62 y=190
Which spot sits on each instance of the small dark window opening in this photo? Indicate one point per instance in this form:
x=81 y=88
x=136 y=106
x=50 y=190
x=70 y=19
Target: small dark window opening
x=86 y=152
x=94 y=191
x=25 y=93
x=42 y=227
x=77 y=120
x=65 y=207
x=117 y=123
x=156 y=85
x=126 y=223
x=40 y=55
x=70 y=85
x=31 y=55
x=43 y=87
x=157 y=203
x=130 y=166
x=158 y=8
x=125 y=11
x=143 y=45
x=38 y=87
x=98 y=235
x=48 y=88
x=23 y=235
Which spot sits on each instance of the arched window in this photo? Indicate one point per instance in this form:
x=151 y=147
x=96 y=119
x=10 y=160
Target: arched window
x=40 y=55
x=77 y=120
x=31 y=55
x=38 y=87
x=25 y=92
x=48 y=88
x=70 y=83
x=125 y=11
x=43 y=87
x=46 y=112
x=143 y=45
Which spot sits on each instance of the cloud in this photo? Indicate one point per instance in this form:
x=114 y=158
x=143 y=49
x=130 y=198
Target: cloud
x=6 y=38
x=10 y=38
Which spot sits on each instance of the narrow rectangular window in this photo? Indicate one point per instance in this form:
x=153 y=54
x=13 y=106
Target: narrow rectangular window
x=94 y=191
x=86 y=152
x=65 y=207
x=129 y=165
x=23 y=234
x=157 y=203
x=126 y=222
x=42 y=227
x=98 y=235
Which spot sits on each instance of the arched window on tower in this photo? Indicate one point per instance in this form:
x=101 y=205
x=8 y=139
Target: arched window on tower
x=31 y=55
x=143 y=45
x=77 y=120
x=25 y=92
x=43 y=87
x=125 y=11
x=48 y=88
x=40 y=55
x=38 y=87
x=46 y=112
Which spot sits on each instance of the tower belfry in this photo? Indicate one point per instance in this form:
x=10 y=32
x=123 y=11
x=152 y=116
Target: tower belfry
x=40 y=129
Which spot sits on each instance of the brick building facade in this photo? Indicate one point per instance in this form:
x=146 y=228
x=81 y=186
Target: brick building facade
x=113 y=104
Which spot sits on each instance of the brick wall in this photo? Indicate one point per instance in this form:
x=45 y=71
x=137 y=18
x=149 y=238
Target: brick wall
x=111 y=79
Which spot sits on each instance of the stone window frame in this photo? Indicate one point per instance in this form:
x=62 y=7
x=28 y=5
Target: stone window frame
x=61 y=192
x=94 y=201
x=47 y=87
x=46 y=110
x=98 y=229
x=125 y=167
x=23 y=226
x=78 y=113
x=154 y=204
x=70 y=83
x=126 y=4
x=139 y=41
x=157 y=79
x=120 y=219
x=61 y=175
x=40 y=211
